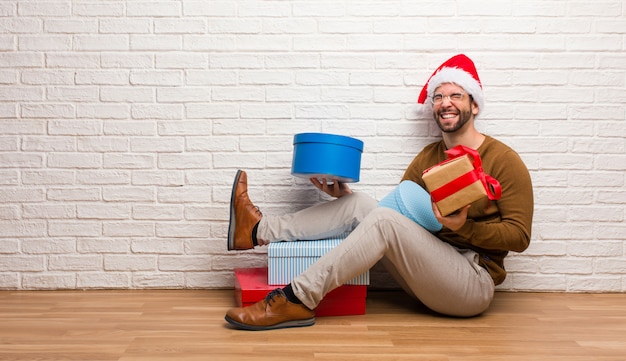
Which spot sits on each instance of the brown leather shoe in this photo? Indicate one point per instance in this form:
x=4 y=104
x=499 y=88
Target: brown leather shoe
x=275 y=311
x=243 y=215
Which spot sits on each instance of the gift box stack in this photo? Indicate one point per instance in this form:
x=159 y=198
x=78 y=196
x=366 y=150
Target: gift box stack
x=286 y=260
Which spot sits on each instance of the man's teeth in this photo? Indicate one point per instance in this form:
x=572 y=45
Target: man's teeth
x=448 y=116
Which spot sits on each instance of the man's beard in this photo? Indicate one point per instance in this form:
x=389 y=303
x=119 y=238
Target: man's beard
x=464 y=117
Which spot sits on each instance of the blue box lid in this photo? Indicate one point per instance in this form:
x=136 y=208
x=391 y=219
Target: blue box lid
x=329 y=139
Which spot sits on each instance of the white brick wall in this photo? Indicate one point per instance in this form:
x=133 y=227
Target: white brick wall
x=122 y=124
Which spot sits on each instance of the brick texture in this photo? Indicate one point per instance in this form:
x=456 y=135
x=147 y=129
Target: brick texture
x=123 y=123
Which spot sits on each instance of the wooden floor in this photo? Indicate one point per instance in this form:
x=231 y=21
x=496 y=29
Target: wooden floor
x=189 y=325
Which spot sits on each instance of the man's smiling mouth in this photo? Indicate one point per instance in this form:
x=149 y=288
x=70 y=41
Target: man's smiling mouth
x=448 y=116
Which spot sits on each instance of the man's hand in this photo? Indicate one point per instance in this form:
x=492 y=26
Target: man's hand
x=336 y=189
x=452 y=221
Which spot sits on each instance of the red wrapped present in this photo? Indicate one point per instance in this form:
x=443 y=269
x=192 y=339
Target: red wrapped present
x=459 y=181
x=251 y=286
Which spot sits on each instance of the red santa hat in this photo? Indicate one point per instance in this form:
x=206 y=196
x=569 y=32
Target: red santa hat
x=459 y=70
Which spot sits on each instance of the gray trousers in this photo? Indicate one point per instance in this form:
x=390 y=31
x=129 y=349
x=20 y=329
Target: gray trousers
x=446 y=279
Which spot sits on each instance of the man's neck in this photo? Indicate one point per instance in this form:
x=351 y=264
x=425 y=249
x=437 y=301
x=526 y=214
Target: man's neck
x=469 y=138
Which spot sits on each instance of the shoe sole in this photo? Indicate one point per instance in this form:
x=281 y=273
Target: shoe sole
x=287 y=324
x=230 y=244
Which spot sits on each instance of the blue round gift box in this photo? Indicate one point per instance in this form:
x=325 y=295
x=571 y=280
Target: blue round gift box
x=411 y=200
x=330 y=156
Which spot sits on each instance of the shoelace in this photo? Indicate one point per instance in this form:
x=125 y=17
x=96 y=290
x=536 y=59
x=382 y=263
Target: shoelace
x=270 y=296
x=256 y=209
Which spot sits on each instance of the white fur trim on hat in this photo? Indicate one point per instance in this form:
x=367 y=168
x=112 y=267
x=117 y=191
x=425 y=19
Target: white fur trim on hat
x=461 y=78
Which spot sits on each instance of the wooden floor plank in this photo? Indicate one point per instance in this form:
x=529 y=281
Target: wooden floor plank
x=141 y=325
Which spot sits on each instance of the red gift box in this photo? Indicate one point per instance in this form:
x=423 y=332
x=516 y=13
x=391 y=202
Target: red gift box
x=251 y=286
x=459 y=181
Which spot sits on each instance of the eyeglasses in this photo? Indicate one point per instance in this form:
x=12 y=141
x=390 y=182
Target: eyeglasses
x=454 y=97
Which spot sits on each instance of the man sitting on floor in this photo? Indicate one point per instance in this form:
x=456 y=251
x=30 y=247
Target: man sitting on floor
x=453 y=272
